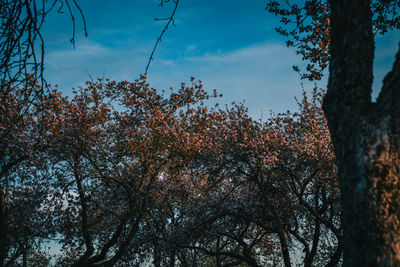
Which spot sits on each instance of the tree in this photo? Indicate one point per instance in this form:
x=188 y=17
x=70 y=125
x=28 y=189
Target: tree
x=126 y=174
x=366 y=136
x=22 y=127
x=290 y=162
x=261 y=193
x=307 y=27
x=109 y=162
x=365 y=133
x=23 y=132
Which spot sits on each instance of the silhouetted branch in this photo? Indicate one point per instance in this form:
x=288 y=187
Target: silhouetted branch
x=170 y=19
x=21 y=40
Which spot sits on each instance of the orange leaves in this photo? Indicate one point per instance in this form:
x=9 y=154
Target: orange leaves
x=143 y=124
x=168 y=157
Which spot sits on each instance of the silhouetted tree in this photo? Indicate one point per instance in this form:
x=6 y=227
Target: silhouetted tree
x=365 y=134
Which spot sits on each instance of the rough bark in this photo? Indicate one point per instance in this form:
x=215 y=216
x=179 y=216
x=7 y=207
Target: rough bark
x=366 y=139
x=3 y=227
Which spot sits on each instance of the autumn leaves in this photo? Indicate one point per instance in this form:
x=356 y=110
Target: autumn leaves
x=125 y=174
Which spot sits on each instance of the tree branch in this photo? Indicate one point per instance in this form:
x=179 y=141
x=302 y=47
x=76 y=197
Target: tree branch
x=170 y=19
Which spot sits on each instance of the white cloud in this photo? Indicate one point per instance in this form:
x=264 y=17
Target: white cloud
x=191 y=48
x=58 y=58
x=247 y=53
x=261 y=75
x=70 y=67
x=169 y=63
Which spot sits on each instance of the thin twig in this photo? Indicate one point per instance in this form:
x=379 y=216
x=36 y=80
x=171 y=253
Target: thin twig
x=83 y=18
x=170 y=19
x=73 y=23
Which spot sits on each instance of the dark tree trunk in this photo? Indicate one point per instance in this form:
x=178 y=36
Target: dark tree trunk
x=172 y=258
x=3 y=227
x=366 y=139
x=156 y=255
x=24 y=255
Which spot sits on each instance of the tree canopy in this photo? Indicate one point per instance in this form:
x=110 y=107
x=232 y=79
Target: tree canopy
x=306 y=25
x=122 y=174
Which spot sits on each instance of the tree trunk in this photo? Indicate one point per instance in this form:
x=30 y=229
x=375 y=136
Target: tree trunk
x=172 y=258
x=366 y=139
x=3 y=227
x=25 y=254
x=156 y=255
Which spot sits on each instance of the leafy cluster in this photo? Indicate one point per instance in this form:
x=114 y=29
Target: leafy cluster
x=306 y=26
x=121 y=174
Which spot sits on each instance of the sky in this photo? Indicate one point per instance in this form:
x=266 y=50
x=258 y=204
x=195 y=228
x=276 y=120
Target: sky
x=230 y=45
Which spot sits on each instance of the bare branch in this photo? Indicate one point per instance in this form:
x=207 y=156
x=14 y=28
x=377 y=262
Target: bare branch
x=22 y=49
x=170 y=19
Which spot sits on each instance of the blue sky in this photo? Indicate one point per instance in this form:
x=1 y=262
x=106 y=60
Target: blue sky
x=230 y=45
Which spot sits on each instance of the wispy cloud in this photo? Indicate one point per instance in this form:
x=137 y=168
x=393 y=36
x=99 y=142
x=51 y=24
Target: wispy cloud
x=260 y=74
x=58 y=58
x=70 y=67
x=264 y=51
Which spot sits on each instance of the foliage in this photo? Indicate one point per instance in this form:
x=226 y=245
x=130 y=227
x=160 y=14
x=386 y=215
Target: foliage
x=23 y=192
x=307 y=26
x=122 y=174
x=365 y=132
x=258 y=189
